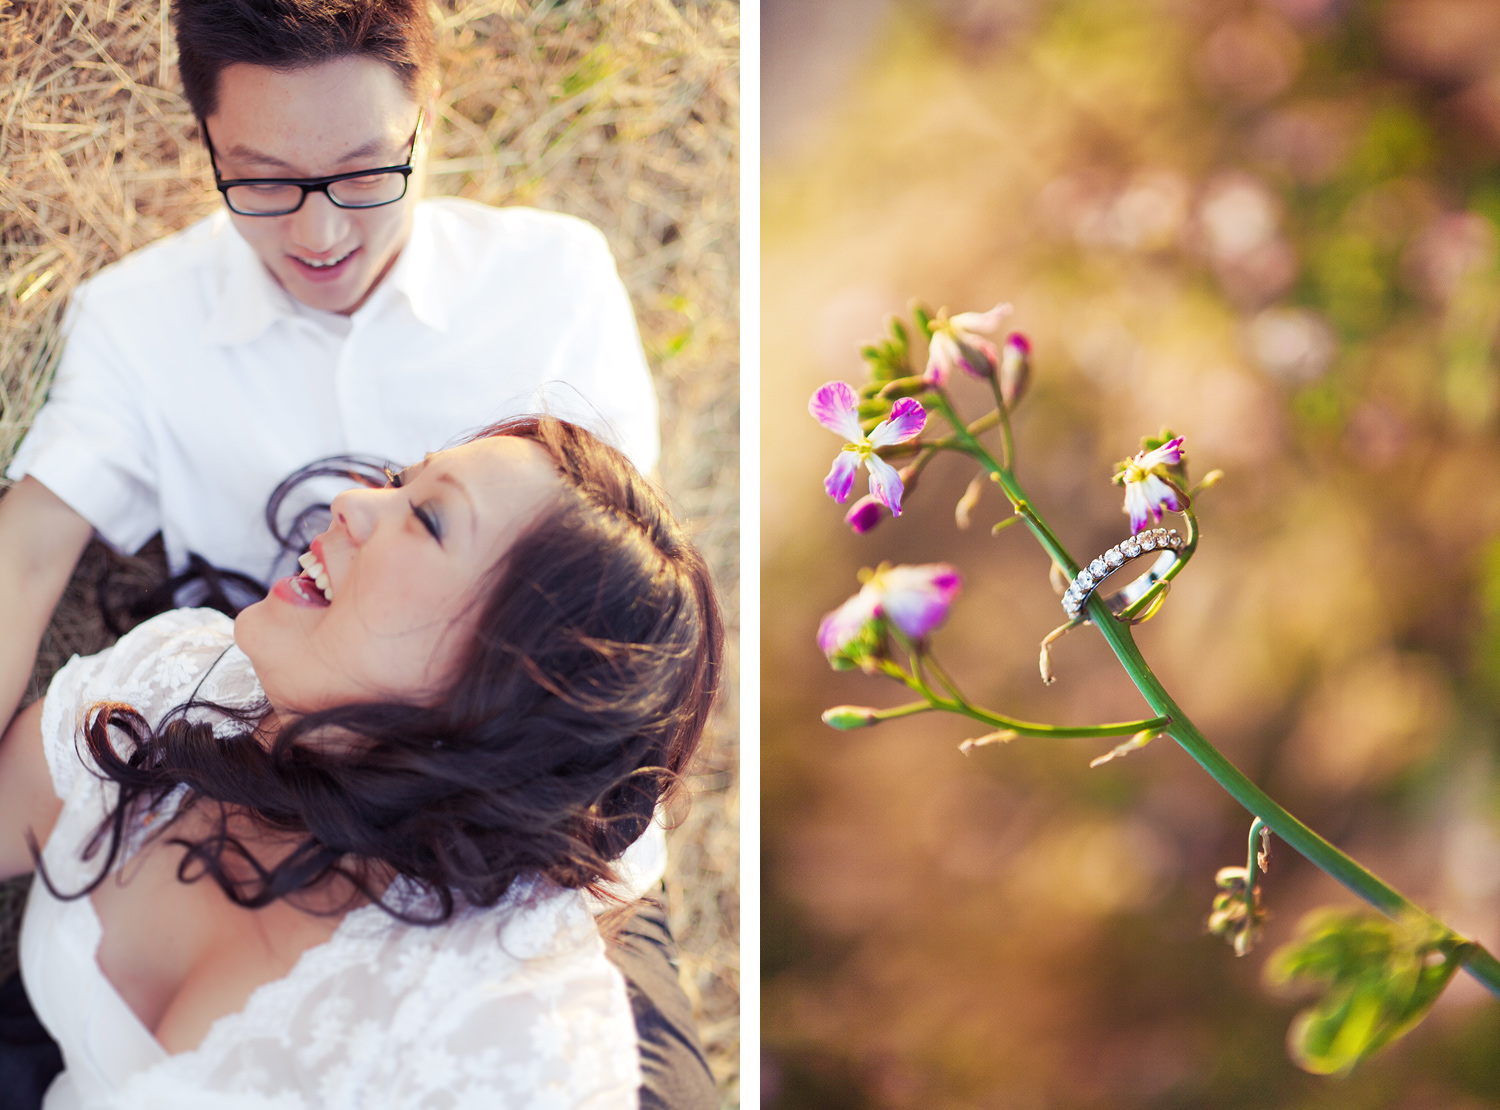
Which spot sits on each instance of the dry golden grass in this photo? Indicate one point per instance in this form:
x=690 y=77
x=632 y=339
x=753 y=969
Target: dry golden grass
x=625 y=113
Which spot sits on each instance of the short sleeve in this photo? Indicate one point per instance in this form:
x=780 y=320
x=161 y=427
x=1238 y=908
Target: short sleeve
x=90 y=443
x=60 y=719
x=153 y=668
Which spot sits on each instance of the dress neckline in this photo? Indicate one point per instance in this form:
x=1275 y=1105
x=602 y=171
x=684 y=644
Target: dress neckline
x=226 y=1020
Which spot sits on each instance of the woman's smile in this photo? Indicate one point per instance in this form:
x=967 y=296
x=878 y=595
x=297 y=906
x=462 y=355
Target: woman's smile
x=387 y=591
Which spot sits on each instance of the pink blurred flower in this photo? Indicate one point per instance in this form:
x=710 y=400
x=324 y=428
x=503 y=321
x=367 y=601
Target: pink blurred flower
x=956 y=344
x=1149 y=489
x=916 y=599
x=913 y=599
x=836 y=407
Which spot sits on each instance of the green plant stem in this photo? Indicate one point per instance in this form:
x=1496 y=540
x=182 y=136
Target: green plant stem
x=910 y=709
x=957 y=704
x=1252 y=864
x=1480 y=963
x=1162 y=584
x=970 y=445
x=1007 y=448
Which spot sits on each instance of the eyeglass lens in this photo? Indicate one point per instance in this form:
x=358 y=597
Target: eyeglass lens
x=353 y=192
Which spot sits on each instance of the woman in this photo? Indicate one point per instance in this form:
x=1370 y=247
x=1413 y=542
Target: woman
x=335 y=852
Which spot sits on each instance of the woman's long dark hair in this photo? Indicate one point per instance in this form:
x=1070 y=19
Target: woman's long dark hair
x=574 y=712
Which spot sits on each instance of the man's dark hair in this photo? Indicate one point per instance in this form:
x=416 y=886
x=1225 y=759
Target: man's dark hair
x=293 y=34
x=574 y=711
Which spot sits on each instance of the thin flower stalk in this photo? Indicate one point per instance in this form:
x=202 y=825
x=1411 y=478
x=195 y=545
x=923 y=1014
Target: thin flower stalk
x=1479 y=962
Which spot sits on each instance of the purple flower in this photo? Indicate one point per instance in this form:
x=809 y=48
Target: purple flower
x=864 y=514
x=1015 y=368
x=836 y=407
x=851 y=633
x=914 y=599
x=956 y=344
x=1149 y=488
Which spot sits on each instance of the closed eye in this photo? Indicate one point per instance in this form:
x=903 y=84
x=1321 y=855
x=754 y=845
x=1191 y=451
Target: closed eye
x=428 y=521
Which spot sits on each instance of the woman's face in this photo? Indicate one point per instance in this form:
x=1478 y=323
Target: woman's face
x=398 y=576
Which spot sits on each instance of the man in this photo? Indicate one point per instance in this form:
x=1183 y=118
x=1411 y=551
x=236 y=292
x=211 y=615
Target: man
x=324 y=312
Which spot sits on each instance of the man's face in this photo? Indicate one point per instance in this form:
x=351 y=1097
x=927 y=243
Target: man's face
x=344 y=115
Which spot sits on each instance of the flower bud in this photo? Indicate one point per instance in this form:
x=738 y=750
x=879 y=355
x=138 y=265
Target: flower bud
x=1015 y=368
x=844 y=717
x=967 y=502
x=1237 y=913
x=903 y=387
x=1135 y=743
x=864 y=514
x=1001 y=736
x=1048 y=678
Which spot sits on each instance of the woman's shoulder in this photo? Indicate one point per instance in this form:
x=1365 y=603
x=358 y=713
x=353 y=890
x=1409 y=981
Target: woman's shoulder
x=154 y=667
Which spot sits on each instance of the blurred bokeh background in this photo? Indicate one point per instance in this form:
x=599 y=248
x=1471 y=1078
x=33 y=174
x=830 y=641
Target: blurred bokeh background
x=624 y=113
x=1271 y=225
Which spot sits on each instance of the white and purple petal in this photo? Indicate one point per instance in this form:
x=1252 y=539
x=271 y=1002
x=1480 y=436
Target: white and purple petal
x=942 y=358
x=907 y=419
x=844 y=625
x=1162 y=495
x=1139 y=506
x=1168 y=454
x=836 y=407
x=840 y=479
x=916 y=599
x=982 y=321
x=885 y=483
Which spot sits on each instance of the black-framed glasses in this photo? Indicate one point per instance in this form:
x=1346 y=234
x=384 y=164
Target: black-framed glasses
x=281 y=196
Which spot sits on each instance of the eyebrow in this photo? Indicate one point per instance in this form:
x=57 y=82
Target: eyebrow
x=250 y=154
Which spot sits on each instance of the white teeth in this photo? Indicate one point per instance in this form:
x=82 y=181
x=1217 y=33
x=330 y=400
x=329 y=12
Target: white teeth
x=323 y=264
x=317 y=572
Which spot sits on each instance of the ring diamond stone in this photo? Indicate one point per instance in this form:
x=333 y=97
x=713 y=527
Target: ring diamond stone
x=1165 y=540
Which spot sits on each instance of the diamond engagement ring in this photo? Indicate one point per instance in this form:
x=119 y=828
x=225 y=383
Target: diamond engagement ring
x=1164 y=540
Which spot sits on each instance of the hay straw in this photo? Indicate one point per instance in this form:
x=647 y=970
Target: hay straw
x=624 y=112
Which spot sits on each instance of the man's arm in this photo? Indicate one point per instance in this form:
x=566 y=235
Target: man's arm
x=28 y=803
x=41 y=540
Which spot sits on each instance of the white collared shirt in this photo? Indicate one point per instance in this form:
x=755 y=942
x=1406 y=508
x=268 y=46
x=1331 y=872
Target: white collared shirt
x=192 y=383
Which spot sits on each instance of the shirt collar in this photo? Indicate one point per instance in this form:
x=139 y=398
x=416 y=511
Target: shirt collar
x=416 y=276
x=246 y=299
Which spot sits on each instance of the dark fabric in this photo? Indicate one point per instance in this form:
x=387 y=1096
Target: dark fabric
x=29 y=1061
x=674 y=1070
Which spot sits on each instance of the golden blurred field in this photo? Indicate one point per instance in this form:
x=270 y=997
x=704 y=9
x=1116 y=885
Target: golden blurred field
x=1272 y=226
x=624 y=113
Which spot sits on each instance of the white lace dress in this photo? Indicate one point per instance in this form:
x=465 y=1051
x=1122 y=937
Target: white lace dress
x=515 y=1006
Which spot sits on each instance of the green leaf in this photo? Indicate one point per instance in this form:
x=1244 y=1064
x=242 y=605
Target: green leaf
x=1379 y=979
